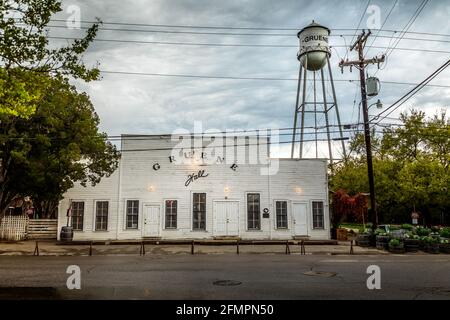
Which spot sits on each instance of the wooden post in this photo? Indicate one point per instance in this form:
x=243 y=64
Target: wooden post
x=142 y=248
x=302 y=248
x=237 y=246
x=192 y=247
x=90 y=249
x=36 y=250
x=288 y=251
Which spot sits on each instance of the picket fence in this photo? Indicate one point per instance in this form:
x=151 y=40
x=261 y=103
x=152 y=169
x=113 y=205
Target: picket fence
x=13 y=228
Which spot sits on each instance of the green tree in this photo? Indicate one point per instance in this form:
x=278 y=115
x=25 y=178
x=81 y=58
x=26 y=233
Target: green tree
x=24 y=46
x=33 y=75
x=411 y=168
x=56 y=147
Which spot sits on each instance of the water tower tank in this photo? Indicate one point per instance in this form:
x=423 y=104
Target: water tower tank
x=314 y=48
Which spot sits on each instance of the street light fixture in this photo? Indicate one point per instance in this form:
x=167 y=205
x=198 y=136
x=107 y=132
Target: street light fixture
x=378 y=104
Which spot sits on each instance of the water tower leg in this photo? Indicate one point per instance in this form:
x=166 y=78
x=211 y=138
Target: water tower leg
x=303 y=107
x=296 y=111
x=315 y=113
x=325 y=105
x=337 y=110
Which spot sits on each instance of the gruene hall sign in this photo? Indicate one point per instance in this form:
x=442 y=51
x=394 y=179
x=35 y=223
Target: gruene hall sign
x=195 y=176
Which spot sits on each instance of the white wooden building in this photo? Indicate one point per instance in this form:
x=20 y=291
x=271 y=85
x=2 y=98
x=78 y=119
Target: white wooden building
x=199 y=188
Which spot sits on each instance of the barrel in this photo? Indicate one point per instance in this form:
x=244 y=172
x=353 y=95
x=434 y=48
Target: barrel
x=444 y=248
x=382 y=242
x=363 y=240
x=66 y=234
x=396 y=250
x=411 y=245
x=432 y=248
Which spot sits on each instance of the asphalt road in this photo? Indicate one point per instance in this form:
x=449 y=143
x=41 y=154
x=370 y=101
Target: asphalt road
x=226 y=277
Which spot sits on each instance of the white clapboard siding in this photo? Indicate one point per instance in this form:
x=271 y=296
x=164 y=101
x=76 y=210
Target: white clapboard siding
x=296 y=180
x=13 y=228
x=42 y=229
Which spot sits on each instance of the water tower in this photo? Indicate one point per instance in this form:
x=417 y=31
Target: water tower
x=313 y=108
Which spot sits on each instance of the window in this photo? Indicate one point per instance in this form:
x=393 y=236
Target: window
x=101 y=215
x=253 y=211
x=318 y=219
x=281 y=212
x=132 y=214
x=199 y=211
x=77 y=215
x=171 y=214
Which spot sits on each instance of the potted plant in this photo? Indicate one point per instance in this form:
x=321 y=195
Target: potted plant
x=407 y=227
x=396 y=246
x=412 y=242
x=422 y=232
x=430 y=244
x=382 y=239
x=364 y=239
x=444 y=246
x=445 y=233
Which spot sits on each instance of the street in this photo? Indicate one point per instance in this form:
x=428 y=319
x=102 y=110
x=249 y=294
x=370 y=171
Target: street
x=226 y=276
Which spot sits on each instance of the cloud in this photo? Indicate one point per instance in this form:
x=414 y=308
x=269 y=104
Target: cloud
x=150 y=104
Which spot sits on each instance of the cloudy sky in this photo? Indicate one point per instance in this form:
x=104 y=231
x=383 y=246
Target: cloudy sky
x=155 y=104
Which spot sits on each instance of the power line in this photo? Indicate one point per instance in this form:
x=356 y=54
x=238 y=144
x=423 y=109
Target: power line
x=384 y=22
x=238 y=28
x=405 y=29
x=409 y=24
x=348 y=128
x=231 y=44
x=356 y=30
x=360 y=20
x=237 y=34
x=244 y=78
x=237 y=145
x=412 y=92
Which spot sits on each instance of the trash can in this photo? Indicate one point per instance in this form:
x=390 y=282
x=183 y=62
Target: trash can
x=66 y=234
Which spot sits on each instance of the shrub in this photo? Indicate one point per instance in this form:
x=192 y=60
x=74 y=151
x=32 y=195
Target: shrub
x=445 y=233
x=407 y=226
x=410 y=235
x=395 y=243
x=422 y=232
x=429 y=240
x=380 y=232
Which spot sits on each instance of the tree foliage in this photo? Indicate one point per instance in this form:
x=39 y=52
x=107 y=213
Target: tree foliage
x=411 y=168
x=24 y=46
x=48 y=131
x=58 y=145
x=349 y=208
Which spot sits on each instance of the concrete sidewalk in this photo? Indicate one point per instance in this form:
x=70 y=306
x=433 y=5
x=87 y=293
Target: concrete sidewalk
x=54 y=248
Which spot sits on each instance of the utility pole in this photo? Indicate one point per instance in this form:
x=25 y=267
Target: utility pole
x=361 y=64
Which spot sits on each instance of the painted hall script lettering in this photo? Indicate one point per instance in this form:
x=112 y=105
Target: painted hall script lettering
x=195 y=176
